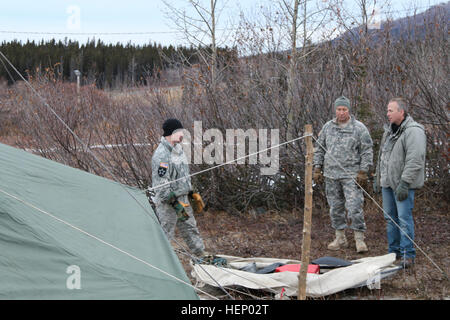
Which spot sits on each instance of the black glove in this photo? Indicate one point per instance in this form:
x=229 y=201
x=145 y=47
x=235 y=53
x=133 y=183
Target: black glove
x=401 y=193
x=376 y=187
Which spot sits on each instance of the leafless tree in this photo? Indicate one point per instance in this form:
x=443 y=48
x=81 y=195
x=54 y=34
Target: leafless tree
x=123 y=128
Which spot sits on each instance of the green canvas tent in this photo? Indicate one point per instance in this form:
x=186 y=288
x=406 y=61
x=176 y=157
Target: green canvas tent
x=68 y=234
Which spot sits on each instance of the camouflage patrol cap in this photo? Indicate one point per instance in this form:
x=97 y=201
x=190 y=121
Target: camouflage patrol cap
x=342 y=101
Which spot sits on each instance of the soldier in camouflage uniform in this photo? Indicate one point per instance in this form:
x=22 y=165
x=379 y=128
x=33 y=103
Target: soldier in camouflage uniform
x=173 y=208
x=347 y=156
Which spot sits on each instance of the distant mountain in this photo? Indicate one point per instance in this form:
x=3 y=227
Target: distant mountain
x=416 y=26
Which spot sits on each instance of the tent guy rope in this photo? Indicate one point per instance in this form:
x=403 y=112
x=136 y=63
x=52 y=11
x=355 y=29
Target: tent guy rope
x=116 y=180
x=102 y=241
x=150 y=189
x=376 y=203
x=95 y=157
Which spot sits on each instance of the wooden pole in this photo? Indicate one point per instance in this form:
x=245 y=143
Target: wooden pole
x=306 y=243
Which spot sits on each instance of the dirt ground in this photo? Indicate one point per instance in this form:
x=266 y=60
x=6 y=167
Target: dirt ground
x=279 y=235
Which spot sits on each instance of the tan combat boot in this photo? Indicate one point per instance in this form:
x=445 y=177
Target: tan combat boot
x=359 y=241
x=339 y=241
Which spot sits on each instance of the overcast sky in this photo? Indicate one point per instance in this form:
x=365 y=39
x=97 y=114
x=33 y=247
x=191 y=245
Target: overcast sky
x=86 y=19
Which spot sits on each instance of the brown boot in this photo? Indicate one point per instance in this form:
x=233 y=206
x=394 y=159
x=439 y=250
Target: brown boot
x=359 y=241
x=339 y=241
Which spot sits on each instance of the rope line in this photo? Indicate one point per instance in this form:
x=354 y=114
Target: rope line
x=231 y=271
x=103 y=33
x=376 y=203
x=229 y=162
x=152 y=216
x=183 y=178
x=102 y=241
x=115 y=179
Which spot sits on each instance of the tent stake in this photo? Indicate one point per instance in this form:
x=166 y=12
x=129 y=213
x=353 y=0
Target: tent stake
x=306 y=242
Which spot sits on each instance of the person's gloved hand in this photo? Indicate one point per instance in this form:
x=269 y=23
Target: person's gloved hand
x=182 y=215
x=172 y=198
x=318 y=176
x=362 y=178
x=197 y=202
x=401 y=193
x=376 y=187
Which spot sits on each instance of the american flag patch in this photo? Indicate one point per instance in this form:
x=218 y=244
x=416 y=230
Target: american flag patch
x=164 y=165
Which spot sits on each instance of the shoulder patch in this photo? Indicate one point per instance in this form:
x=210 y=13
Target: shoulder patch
x=163 y=166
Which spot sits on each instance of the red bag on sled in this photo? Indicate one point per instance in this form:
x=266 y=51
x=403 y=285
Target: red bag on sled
x=312 y=268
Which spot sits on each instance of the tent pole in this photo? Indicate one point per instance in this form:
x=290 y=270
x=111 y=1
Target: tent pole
x=306 y=242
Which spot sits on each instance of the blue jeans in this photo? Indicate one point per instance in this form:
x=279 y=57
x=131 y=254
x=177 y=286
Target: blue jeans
x=401 y=213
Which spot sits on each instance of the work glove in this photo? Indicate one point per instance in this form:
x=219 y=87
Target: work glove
x=197 y=202
x=211 y=259
x=401 y=193
x=362 y=178
x=179 y=207
x=318 y=176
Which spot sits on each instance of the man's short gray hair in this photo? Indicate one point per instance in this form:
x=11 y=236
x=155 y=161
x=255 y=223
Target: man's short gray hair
x=401 y=103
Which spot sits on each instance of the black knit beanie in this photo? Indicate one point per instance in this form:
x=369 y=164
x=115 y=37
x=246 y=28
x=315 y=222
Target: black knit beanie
x=170 y=125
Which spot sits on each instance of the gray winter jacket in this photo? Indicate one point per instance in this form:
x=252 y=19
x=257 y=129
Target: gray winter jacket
x=402 y=155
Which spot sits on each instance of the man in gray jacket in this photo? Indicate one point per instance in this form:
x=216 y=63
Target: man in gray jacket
x=344 y=152
x=400 y=170
x=173 y=191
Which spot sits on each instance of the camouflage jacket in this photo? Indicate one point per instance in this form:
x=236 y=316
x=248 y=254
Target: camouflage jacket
x=351 y=147
x=169 y=163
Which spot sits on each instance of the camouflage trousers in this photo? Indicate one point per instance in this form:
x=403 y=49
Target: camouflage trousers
x=188 y=229
x=342 y=195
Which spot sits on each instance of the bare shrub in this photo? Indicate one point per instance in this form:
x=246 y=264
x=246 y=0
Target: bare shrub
x=249 y=92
